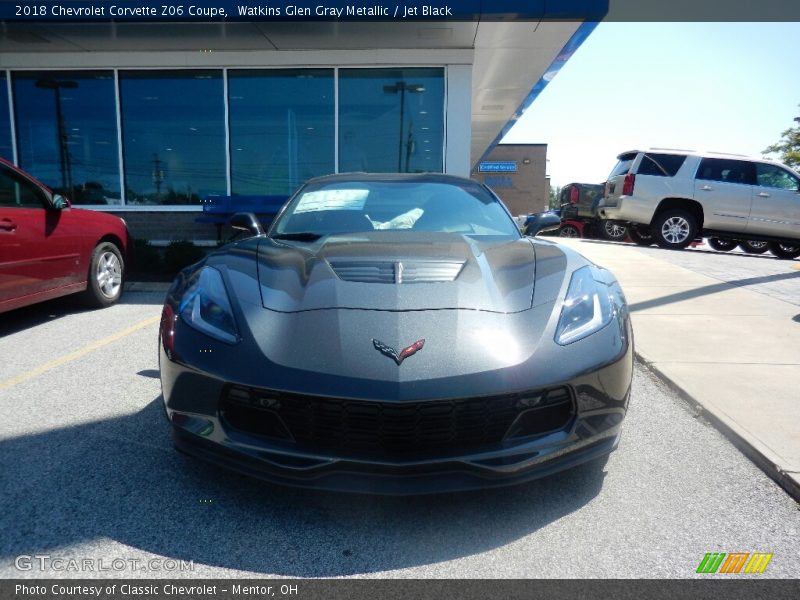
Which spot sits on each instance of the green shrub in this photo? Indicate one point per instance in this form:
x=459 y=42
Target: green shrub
x=180 y=254
x=146 y=258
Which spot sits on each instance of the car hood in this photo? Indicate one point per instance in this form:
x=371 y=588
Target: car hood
x=397 y=271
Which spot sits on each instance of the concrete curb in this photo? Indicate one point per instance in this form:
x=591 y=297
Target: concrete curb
x=788 y=481
x=147 y=286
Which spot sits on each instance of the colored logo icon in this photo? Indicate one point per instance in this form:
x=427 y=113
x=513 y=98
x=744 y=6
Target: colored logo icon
x=734 y=563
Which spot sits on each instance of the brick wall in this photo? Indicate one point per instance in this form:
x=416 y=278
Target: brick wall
x=526 y=191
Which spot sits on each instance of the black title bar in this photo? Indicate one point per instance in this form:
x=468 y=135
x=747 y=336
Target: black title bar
x=397 y=10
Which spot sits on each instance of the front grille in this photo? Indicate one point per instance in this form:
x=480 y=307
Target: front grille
x=394 y=428
x=402 y=271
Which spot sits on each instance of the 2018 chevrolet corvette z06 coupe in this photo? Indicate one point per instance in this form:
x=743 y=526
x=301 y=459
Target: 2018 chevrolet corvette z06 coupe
x=395 y=334
x=49 y=249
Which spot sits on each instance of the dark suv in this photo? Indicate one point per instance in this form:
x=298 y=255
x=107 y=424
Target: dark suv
x=580 y=202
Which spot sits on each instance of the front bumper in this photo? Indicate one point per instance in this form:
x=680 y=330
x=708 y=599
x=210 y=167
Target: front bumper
x=436 y=476
x=599 y=397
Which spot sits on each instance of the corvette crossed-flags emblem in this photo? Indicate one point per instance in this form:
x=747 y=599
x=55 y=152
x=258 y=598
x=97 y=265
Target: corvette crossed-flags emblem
x=398 y=357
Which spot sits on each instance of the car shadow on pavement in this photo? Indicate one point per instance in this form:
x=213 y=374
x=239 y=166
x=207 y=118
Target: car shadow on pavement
x=31 y=316
x=27 y=317
x=120 y=479
x=714 y=288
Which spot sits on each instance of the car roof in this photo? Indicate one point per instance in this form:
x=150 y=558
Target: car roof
x=704 y=153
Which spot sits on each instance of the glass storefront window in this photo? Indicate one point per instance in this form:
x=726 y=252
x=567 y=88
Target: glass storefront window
x=67 y=132
x=282 y=128
x=173 y=135
x=6 y=150
x=391 y=120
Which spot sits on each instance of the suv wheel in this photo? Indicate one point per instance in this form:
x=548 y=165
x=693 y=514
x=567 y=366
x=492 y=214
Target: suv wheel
x=721 y=245
x=674 y=229
x=754 y=247
x=613 y=231
x=786 y=251
x=641 y=235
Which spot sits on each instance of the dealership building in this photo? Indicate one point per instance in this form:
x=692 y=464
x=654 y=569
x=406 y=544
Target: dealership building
x=151 y=120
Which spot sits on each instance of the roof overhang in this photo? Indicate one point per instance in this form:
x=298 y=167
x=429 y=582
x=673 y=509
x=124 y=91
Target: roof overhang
x=512 y=60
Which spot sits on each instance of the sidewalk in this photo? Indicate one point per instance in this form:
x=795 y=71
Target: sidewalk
x=733 y=352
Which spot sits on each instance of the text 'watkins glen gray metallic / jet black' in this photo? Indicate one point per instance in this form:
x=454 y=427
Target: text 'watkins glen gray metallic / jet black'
x=395 y=334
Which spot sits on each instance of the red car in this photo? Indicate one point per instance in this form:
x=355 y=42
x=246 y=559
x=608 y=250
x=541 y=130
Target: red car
x=49 y=249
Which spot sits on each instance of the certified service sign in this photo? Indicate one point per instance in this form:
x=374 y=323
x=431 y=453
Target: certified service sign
x=498 y=167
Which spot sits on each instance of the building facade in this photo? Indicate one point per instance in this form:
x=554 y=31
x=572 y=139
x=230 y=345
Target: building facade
x=517 y=173
x=149 y=121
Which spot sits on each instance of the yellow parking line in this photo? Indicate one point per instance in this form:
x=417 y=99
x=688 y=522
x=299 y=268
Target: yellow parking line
x=796 y=267
x=62 y=360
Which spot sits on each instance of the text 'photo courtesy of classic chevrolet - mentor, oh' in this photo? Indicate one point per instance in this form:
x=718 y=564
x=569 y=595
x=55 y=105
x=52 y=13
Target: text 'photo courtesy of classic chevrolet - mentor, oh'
x=395 y=334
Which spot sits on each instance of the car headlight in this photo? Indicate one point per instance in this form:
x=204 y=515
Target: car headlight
x=587 y=307
x=206 y=307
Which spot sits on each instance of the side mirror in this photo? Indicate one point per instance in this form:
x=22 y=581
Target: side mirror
x=541 y=222
x=247 y=222
x=59 y=202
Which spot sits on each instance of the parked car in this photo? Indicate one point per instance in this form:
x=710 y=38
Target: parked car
x=395 y=334
x=580 y=203
x=676 y=196
x=50 y=249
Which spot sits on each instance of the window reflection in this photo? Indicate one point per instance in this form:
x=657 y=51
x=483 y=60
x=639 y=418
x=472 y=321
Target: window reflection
x=281 y=122
x=391 y=120
x=173 y=135
x=282 y=128
x=5 y=121
x=67 y=132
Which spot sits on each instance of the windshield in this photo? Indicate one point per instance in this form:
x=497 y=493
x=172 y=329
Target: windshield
x=425 y=206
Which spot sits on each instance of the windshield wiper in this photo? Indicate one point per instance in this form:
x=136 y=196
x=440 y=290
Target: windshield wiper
x=300 y=236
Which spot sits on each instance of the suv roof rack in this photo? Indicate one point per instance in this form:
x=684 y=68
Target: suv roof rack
x=728 y=154
x=673 y=149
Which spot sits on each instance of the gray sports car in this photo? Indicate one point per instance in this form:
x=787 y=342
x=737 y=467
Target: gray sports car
x=395 y=334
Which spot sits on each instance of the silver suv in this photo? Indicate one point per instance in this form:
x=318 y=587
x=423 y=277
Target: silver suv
x=672 y=197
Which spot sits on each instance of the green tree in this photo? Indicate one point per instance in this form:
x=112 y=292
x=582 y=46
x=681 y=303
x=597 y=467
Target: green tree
x=555 y=195
x=788 y=147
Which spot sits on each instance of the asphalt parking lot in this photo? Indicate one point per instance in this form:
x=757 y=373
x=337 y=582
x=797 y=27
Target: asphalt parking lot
x=87 y=470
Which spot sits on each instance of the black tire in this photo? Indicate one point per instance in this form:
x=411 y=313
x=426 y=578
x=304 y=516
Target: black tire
x=721 y=245
x=641 y=235
x=785 y=251
x=674 y=229
x=754 y=247
x=569 y=231
x=106 y=276
x=613 y=231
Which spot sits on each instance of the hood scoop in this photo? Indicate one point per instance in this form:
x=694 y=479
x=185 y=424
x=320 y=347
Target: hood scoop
x=397 y=272
x=375 y=270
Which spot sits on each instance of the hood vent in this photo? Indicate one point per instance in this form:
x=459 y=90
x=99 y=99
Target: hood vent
x=401 y=271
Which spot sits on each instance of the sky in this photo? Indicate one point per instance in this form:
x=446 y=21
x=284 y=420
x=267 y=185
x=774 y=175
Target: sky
x=724 y=87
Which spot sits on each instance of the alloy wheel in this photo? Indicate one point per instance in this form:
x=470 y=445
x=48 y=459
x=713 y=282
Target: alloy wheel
x=109 y=274
x=675 y=230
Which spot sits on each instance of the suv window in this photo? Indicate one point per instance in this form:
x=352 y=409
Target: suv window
x=16 y=191
x=663 y=165
x=624 y=165
x=775 y=177
x=727 y=170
